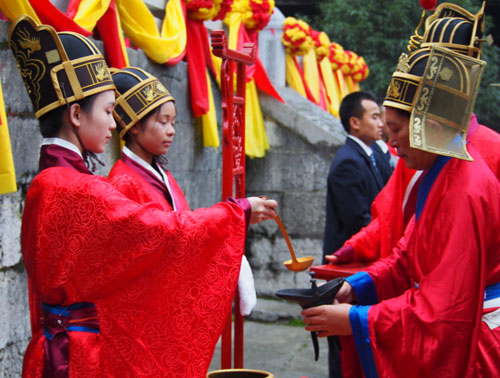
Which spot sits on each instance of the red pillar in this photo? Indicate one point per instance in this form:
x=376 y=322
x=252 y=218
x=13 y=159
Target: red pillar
x=233 y=161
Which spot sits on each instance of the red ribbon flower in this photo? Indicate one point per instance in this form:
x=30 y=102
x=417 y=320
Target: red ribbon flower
x=428 y=4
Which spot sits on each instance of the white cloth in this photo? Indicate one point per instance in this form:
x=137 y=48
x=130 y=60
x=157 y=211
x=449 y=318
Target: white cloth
x=246 y=288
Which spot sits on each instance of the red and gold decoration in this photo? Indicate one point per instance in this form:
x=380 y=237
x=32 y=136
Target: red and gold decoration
x=298 y=42
x=327 y=73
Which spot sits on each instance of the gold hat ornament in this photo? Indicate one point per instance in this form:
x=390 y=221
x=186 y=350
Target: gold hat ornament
x=57 y=68
x=437 y=83
x=138 y=94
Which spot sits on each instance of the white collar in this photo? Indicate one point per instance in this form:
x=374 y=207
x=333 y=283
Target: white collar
x=143 y=163
x=62 y=143
x=383 y=146
x=368 y=150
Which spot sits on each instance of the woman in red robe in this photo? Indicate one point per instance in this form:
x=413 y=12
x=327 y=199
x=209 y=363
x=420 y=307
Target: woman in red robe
x=140 y=175
x=97 y=263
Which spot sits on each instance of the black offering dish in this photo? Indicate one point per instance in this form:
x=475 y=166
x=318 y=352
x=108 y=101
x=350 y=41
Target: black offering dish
x=312 y=297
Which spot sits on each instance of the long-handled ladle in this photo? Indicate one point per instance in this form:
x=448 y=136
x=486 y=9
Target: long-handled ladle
x=295 y=264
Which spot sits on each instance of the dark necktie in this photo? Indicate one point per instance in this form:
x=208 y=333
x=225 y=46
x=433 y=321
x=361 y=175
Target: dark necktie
x=377 y=172
x=374 y=163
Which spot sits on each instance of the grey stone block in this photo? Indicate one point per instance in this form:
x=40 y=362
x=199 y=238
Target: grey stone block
x=10 y=224
x=279 y=170
x=14 y=316
x=4 y=31
x=304 y=118
x=11 y=359
x=25 y=141
x=304 y=213
x=16 y=98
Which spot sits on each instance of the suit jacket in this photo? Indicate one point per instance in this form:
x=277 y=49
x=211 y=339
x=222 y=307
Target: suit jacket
x=383 y=162
x=352 y=185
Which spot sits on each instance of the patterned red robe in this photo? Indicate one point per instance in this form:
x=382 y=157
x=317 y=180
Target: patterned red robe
x=162 y=282
x=439 y=293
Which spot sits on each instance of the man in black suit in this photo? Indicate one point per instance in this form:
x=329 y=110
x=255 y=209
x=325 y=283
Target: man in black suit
x=354 y=178
x=353 y=182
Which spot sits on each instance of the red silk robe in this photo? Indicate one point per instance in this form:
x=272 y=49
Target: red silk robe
x=162 y=282
x=429 y=323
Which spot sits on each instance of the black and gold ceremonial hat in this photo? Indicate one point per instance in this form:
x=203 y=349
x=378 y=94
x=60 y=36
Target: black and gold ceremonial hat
x=437 y=83
x=57 y=68
x=138 y=94
x=455 y=28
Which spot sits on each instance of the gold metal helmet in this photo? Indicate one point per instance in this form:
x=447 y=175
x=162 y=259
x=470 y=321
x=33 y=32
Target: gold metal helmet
x=57 y=68
x=138 y=94
x=438 y=82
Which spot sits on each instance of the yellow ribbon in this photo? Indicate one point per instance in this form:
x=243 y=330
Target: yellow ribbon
x=14 y=9
x=311 y=73
x=7 y=172
x=293 y=78
x=139 y=25
x=89 y=12
x=331 y=86
x=209 y=121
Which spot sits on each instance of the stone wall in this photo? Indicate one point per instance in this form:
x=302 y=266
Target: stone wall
x=303 y=141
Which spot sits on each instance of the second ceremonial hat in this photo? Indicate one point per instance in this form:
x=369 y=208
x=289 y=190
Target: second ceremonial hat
x=138 y=94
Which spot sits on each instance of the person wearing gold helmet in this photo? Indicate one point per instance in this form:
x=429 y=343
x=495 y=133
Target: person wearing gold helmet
x=432 y=308
x=96 y=260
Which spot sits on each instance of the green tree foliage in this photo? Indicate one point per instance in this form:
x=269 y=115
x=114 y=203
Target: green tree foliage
x=379 y=30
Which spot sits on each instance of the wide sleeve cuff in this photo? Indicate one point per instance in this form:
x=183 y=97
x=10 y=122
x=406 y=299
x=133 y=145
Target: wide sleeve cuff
x=244 y=204
x=345 y=254
x=358 y=316
x=364 y=287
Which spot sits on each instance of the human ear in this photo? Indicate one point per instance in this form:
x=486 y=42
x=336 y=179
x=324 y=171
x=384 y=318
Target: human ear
x=75 y=114
x=354 y=123
x=134 y=130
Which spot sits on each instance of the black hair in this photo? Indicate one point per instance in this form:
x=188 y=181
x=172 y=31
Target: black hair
x=402 y=113
x=50 y=123
x=351 y=107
